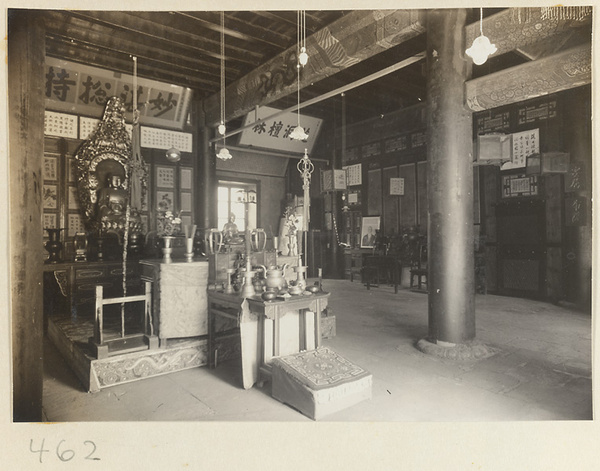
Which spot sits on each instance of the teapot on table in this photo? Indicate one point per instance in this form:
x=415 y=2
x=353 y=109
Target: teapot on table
x=275 y=276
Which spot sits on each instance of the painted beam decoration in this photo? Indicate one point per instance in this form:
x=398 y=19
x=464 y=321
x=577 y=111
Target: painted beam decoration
x=519 y=28
x=352 y=39
x=563 y=71
x=84 y=90
x=274 y=133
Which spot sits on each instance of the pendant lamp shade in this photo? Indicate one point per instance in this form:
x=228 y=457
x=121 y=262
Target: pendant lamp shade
x=223 y=152
x=482 y=47
x=173 y=155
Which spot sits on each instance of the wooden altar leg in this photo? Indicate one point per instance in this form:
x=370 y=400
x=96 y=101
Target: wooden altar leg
x=249 y=350
x=276 y=336
x=318 y=311
x=309 y=330
x=210 y=357
x=268 y=339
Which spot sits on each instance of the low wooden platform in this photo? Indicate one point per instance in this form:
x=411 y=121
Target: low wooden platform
x=71 y=338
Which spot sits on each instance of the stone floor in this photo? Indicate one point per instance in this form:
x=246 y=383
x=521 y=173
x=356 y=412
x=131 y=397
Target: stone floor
x=541 y=371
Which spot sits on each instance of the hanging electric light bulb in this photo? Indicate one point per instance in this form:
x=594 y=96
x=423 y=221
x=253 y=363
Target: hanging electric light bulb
x=303 y=57
x=482 y=47
x=298 y=133
x=223 y=152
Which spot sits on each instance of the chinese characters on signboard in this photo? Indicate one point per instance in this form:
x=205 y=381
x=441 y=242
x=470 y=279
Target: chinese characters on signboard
x=87 y=127
x=353 y=174
x=84 y=89
x=532 y=113
x=50 y=168
x=524 y=144
x=165 y=177
x=165 y=139
x=396 y=186
x=60 y=125
x=74 y=224
x=574 y=179
x=274 y=133
x=575 y=211
x=519 y=185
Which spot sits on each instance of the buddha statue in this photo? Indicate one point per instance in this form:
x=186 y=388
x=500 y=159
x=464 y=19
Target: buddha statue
x=112 y=205
x=231 y=233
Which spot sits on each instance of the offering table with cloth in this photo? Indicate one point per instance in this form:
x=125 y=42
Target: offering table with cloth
x=268 y=329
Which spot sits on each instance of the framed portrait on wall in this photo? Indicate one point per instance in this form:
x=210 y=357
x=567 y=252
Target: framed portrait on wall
x=370 y=225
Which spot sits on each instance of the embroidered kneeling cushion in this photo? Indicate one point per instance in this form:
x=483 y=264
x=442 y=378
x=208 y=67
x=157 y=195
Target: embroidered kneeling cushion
x=319 y=382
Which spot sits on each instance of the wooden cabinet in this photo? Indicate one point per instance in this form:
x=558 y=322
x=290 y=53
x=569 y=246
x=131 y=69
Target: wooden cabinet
x=75 y=283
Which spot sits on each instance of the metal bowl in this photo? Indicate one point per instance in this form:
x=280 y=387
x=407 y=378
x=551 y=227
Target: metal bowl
x=268 y=295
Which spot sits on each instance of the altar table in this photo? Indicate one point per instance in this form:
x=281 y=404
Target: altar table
x=268 y=329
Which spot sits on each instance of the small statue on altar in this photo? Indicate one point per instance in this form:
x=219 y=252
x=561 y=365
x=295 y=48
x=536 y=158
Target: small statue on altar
x=112 y=204
x=231 y=233
x=291 y=222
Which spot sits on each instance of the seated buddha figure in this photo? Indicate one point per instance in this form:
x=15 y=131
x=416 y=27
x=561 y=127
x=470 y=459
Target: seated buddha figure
x=231 y=234
x=112 y=205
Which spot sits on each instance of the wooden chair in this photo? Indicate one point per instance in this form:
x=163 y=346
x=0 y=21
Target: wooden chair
x=418 y=269
x=382 y=268
x=104 y=346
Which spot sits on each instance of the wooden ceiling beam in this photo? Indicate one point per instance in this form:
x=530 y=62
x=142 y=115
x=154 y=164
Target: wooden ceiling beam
x=236 y=28
x=517 y=28
x=145 y=58
x=565 y=70
x=347 y=41
x=148 y=26
x=97 y=57
x=123 y=45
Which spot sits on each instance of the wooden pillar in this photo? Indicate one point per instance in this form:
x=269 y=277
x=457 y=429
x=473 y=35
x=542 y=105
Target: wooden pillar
x=26 y=54
x=449 y=181
x=578 y=142
x=207 y=182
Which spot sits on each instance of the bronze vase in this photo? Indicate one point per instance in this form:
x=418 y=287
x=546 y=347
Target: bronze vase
x=53 y=245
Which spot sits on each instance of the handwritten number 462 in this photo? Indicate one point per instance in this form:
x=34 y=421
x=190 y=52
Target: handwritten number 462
x=64 y=454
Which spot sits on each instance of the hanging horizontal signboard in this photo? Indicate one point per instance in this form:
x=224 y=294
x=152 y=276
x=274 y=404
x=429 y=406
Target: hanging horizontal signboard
x=84 y=90
x=274 y=133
